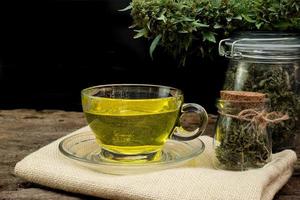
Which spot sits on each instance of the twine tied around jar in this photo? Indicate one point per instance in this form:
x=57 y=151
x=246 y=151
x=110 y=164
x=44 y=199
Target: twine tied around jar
x=260 y=119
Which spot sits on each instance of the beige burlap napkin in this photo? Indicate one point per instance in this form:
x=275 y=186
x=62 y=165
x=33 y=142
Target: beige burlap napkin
x=197 y=180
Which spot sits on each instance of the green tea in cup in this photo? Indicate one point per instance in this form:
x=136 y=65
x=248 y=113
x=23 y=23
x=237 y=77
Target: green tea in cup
x=134 y=121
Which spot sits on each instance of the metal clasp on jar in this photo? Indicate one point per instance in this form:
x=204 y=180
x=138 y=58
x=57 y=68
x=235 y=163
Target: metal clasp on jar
x=234 y=53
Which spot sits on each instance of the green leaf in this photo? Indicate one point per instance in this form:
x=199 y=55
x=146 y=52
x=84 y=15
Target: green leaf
x=140 y=33
x=197 y=24
x=248 y=19
x=272 y=9
x=186 y=19
x=200 y=9
x=209 y=36
x=163 y=18
x=125 y=9
x=217 y=26
x=297 y=7
x=132 y=26
x=238 y=17
x=154 y=44
x=258 y=25
x=183 y=32
x=229 y=19
x=148 y=25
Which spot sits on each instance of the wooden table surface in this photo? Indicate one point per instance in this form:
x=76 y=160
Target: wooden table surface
x=24 y=131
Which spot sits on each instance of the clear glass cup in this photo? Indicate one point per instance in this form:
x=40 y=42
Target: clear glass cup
x=132 y=122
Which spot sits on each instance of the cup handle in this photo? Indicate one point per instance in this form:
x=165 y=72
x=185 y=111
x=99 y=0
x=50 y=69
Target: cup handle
x=192 y=122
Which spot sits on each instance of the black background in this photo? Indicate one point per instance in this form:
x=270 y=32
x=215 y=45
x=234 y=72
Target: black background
x=50 y=50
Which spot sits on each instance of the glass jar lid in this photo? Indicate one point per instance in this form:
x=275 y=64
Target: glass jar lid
x=262 y=46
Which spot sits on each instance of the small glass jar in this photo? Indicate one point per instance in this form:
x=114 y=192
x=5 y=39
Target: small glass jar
x=269 y=63
x=241 y=140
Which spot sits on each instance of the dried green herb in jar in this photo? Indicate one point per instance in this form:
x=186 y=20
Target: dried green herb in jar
x=242 y=140
x=241 y=147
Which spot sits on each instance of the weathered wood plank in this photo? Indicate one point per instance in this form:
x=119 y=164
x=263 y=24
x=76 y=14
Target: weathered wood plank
x=22 y=132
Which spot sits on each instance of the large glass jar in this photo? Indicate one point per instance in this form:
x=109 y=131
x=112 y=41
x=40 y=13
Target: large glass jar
x=268 y=63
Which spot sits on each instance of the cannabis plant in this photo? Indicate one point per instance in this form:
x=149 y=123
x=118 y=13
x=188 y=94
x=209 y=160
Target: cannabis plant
x=193 y=27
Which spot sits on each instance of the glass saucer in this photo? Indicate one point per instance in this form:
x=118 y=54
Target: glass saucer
x=83 y=149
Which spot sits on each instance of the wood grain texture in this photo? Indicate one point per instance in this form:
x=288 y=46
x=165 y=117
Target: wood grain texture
x=24 y=131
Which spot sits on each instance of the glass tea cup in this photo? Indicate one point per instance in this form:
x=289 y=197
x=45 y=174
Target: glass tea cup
x=132 y=122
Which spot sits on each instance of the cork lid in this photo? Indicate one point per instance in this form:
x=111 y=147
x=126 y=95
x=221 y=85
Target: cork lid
x=242 y=96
